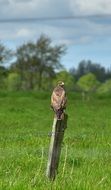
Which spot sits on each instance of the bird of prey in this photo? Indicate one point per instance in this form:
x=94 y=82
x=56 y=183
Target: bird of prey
x=58 y=100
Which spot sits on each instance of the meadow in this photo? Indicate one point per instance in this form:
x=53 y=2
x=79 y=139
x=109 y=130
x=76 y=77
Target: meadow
x=25 y=126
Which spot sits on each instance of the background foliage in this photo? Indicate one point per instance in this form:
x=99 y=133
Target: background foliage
x=37 y=66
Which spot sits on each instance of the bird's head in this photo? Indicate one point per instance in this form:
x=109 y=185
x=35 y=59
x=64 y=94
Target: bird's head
x=61 y=83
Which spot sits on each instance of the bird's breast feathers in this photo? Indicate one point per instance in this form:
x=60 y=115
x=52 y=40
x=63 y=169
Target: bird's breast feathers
x=58 y=98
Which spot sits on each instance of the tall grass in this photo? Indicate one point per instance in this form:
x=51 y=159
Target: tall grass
x=25 y=124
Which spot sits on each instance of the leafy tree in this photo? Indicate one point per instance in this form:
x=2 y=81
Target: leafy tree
x=3 y=72
x=48 y=57
x=5 y=53
x=81 y=70
x=25 y=63
x=13 y=82
x=87 y=83
x=88 y=66
x=104 y=88
x=97 y=70
x=108 y=74
x=3 y=75
x=38 y=60
x=47 y=78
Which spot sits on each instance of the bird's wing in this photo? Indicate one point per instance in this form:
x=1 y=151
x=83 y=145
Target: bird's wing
x=64 y=100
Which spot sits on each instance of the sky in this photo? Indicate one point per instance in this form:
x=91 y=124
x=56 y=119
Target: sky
x=87 y=35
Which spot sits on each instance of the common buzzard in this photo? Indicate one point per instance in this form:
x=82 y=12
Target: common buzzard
x=58 y=100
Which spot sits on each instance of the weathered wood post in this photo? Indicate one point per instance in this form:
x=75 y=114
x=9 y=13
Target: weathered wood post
x=55 y=146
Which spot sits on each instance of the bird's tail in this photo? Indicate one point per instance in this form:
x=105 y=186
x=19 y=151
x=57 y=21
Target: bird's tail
x=59 y=113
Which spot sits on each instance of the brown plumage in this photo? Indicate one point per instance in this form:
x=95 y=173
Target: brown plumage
x=58 y=100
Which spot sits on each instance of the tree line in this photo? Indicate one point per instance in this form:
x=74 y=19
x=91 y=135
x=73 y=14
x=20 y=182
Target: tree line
x=37 y=66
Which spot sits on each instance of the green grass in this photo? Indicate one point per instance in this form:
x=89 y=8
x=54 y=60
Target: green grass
x=26 y=120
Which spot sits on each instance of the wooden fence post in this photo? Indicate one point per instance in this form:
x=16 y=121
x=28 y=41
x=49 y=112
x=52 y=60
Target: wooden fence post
x=55 y=146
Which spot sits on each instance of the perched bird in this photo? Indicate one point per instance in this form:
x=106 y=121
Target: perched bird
x=58 y=100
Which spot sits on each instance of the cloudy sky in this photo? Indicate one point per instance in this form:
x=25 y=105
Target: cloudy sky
x=87 y=35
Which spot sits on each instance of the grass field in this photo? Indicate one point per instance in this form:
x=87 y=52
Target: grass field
x=25 y=122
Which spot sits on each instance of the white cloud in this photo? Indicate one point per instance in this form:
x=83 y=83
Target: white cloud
x=67 y=31
x=3 y=2
x=23 y=33
x=44 y=8
x=86 y=7
x=71 y=32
